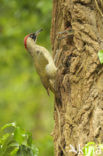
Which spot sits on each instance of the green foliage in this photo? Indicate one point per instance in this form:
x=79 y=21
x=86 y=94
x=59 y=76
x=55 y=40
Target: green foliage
x=22 y=97
x=100 y=55
x=15 y=141
x=88 y=149
x=91 y=149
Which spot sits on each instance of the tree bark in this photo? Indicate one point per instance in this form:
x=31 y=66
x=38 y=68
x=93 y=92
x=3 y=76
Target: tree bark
x=79 y=84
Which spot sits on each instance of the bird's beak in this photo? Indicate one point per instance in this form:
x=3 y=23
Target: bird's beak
x=37 y=32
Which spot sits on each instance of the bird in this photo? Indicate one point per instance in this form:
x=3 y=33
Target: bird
x=43 y=61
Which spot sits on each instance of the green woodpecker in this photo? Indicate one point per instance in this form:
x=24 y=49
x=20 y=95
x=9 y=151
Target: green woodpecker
x=43 y=61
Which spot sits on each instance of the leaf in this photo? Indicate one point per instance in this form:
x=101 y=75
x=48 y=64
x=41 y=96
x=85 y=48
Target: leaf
x=3 y=139
x=14 y=151
x=14 y=144
x=13 y=124
x=17 y=142
x=100 y=55
x=29 y=140
x=90 y=143
x=19 y=135
x=6 y=144
x=35 y=150
x=88 y=149
x=24 y=151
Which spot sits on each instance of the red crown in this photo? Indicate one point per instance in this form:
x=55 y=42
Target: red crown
x=25 y=40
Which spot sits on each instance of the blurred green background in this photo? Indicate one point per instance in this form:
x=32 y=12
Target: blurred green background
x=22 y=96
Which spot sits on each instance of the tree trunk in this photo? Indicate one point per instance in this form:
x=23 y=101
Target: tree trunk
x=79 y=83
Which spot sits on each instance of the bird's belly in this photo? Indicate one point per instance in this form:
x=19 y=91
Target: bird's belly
x=43 y=76
x=40 y=70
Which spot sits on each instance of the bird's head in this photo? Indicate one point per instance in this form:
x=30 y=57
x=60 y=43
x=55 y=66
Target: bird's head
x=31 y=38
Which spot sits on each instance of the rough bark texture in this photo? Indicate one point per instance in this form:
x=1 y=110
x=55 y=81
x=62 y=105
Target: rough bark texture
x=79 y=83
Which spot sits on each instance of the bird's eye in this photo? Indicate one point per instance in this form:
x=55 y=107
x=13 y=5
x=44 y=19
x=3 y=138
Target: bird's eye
x=33 y=36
